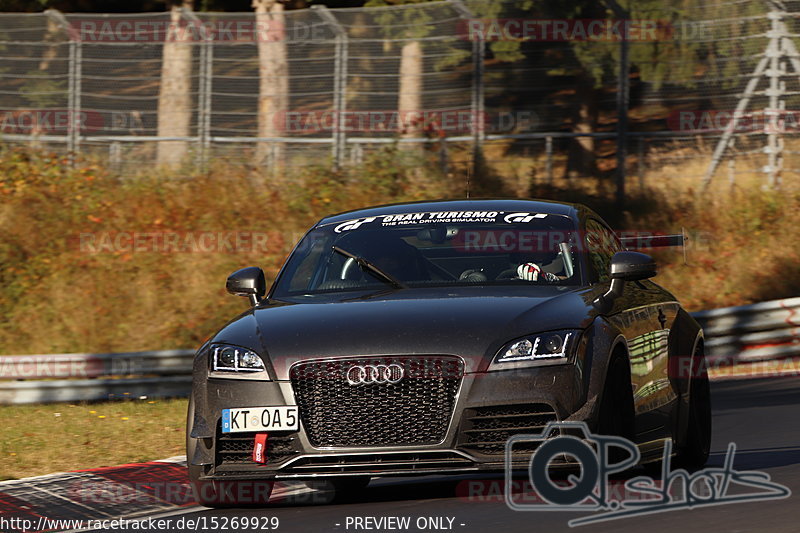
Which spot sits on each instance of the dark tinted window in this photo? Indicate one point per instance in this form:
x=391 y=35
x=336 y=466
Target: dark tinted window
x=428 y=249
x=601 y=245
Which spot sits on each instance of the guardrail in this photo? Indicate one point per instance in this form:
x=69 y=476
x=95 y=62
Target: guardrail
x=86 y=376
x=746 y=334
x=752 y=333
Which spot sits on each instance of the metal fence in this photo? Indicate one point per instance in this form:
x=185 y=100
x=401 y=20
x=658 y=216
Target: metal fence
x=767 y=331
x=710 y=95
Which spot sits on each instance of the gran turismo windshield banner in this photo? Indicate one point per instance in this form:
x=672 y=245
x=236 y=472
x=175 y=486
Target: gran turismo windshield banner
x=462 y=217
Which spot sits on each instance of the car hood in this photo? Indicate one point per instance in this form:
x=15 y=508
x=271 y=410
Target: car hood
x=472 y=322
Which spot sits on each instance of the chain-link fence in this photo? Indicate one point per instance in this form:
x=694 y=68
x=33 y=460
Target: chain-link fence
x=709 y=93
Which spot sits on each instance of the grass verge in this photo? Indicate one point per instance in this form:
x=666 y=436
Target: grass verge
x=59 y=296
x=42 y=439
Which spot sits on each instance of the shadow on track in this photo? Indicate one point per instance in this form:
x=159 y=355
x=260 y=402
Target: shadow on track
x=481 y=488
x=385 y=490
x=779 y=391
x=759 y=458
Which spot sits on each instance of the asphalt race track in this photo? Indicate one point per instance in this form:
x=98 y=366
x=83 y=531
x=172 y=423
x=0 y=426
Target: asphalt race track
x=762 y=416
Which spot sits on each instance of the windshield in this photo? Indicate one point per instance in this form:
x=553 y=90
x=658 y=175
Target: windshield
x=433 y=249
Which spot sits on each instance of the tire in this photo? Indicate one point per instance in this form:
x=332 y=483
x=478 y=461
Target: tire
x=616 y=406
x=222 y=494
x=692 y=453
x=616 y=413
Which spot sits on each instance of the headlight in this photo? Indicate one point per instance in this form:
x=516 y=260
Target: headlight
x=234 y=359
x=552 y=347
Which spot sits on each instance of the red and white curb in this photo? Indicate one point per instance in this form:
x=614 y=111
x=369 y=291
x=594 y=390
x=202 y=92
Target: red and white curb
x=59 y=502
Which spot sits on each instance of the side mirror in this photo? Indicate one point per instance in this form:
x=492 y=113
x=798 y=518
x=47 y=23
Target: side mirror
x=249 y=282
x=632 y=266
x=625 y=266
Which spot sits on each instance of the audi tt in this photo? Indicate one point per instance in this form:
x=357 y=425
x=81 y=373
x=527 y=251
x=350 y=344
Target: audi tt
x=417 y=338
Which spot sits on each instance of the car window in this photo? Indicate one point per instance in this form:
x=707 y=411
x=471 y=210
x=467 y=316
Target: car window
x=601 y=245
x=307 y=254
x=427 y=249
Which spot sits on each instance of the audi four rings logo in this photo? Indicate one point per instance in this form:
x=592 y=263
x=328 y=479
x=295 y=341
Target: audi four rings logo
x=374 y=374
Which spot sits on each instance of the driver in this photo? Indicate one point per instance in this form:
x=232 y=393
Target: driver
x=533 y=272
x=524 y=267
x=531 y=268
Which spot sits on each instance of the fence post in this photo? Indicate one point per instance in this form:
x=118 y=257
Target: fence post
x=479 y=54
x=731 y=173
x=622 y=103
x=71 y=103
x=443 y=156
x=76 y=99
x=209 y=72
x=779 y=45
x=356 y=154
x=548 y=163
x=115 y=155
x=342 y=54
x=341 y=51
x=776 y=92
x=73 y=83
x=622 y=118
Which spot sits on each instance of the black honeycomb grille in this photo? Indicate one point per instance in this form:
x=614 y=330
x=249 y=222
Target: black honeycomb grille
x=487 y=429
x=237 y=448
x=414 y=411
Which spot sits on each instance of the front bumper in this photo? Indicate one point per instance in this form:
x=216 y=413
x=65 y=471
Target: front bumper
x=489 y=408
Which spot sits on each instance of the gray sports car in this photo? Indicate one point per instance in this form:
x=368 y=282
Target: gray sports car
x=415 y=339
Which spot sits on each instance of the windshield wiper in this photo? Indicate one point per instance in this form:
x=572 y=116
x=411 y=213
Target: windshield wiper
x=385 y=276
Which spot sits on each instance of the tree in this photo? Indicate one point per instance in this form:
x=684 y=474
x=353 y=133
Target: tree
x=581 y=158
x=175 y=99
x=414 y=27
x=41 y=89
x=273 y=77
x=410 y=80
x=682 y=60
x=409 y=96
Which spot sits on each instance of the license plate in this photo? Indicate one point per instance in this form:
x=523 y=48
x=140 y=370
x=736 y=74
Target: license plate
x=280 y=418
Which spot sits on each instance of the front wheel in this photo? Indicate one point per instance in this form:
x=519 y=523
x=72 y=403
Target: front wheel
x=692 y=454
x=616 y=406
x=616 y=414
